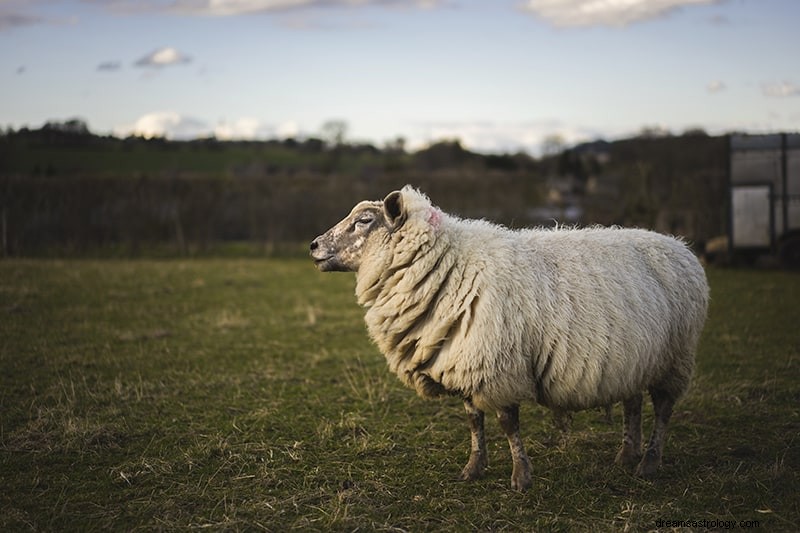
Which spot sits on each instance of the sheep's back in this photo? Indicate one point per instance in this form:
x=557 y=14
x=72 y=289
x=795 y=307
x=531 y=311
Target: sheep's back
x=617 y=311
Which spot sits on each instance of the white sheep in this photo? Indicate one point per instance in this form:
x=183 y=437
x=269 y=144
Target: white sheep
x=569 y=318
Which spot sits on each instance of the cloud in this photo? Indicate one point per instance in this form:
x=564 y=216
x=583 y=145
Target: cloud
x=168 y=124
x=173 y=125
x=716 y=86
x=780 y=90
x=615 y=13
x=249 y=128
x=9 y=20
x=241 y=7
x=109 y=66
x=288 y=129
x=222 y=8
x=22 y=13
x=226 y=8
x=243 y=129
x=496 y=137
x=163 y=57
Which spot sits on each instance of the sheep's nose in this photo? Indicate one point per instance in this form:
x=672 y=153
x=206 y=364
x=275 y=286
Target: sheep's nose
x=314 y=244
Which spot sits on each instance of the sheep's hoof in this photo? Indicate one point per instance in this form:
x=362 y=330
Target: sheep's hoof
x=470 y=474
x=521 y=476
x=474 y=469
x=649 y=466
x=628 y=457
x=521 y=482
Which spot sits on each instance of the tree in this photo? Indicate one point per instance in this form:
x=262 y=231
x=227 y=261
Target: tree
x=334 y=132
x=75 y=126
x=396 y=145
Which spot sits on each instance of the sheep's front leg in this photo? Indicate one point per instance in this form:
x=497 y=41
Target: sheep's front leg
x=477 y=457
x=521 y=473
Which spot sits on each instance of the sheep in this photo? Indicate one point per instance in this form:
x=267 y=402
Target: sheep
x=568 y=318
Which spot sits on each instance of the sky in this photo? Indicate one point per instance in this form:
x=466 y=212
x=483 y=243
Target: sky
x=499 y=75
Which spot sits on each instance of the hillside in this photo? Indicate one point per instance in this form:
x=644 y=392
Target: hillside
x=66 y=190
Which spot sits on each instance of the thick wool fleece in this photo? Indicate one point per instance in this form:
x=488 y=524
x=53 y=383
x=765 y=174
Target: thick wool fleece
x=571 y=318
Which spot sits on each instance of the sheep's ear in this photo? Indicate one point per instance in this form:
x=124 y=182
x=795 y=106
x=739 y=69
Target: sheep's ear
x=394 y=209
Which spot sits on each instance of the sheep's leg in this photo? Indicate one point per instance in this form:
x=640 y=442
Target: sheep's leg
x=477 y=457
x=562 y=419
x=608 y=414
x=662 y=405
x=631 y=450
x=521 y=473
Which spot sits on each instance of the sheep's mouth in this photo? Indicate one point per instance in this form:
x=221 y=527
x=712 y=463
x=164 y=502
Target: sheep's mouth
x=320 y=258
x=324 y=263
x=330 y=263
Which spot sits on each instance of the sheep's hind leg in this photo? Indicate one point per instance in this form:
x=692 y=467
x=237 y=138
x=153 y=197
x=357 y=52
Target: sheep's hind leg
x=562 y=420
x=521 y=473
x=662 y=405
x=631 y=450
x=477 y=457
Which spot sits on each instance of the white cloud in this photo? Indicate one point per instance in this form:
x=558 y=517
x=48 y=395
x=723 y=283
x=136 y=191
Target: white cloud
x=780 y=90
x=237 y=7
x=572 y=13
x=224 y=8
x=163 y=57
x=716 y=86
x=288 y=129
x=168 y=124
x=494 y=137
x=173 y=125
x=247 y=128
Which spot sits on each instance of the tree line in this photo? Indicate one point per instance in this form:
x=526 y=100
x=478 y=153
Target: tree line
x=64 y=190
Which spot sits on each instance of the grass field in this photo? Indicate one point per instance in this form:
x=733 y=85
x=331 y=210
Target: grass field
x=245 y=395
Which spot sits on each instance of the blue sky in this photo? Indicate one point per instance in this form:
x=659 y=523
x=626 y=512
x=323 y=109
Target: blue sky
x=501 y=75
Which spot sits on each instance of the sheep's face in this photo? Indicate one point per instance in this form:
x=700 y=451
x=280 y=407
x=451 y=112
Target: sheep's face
x=368 y=224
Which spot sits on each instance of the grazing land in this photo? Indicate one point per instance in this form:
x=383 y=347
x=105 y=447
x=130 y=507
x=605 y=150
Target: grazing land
x=244 y=394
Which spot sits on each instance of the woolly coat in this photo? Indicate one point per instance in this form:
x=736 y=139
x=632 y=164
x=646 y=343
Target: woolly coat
x=570 y=318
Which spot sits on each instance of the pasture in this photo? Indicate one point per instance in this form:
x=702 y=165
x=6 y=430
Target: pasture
x=244 y=394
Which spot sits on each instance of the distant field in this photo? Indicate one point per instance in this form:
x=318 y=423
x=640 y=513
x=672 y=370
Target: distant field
x=113 y=158
x=245 y=395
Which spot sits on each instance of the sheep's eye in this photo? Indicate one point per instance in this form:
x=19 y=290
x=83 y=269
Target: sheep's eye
x=363 y=221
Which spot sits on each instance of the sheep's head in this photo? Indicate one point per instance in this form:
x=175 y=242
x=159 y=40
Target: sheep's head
x=369 y=224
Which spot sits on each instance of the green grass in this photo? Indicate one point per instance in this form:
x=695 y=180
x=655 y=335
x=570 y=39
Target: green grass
x=112 y=158
x=245 y=395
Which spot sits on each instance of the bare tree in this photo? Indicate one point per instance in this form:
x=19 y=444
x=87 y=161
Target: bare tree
x=334 y=132
x=553 y=144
